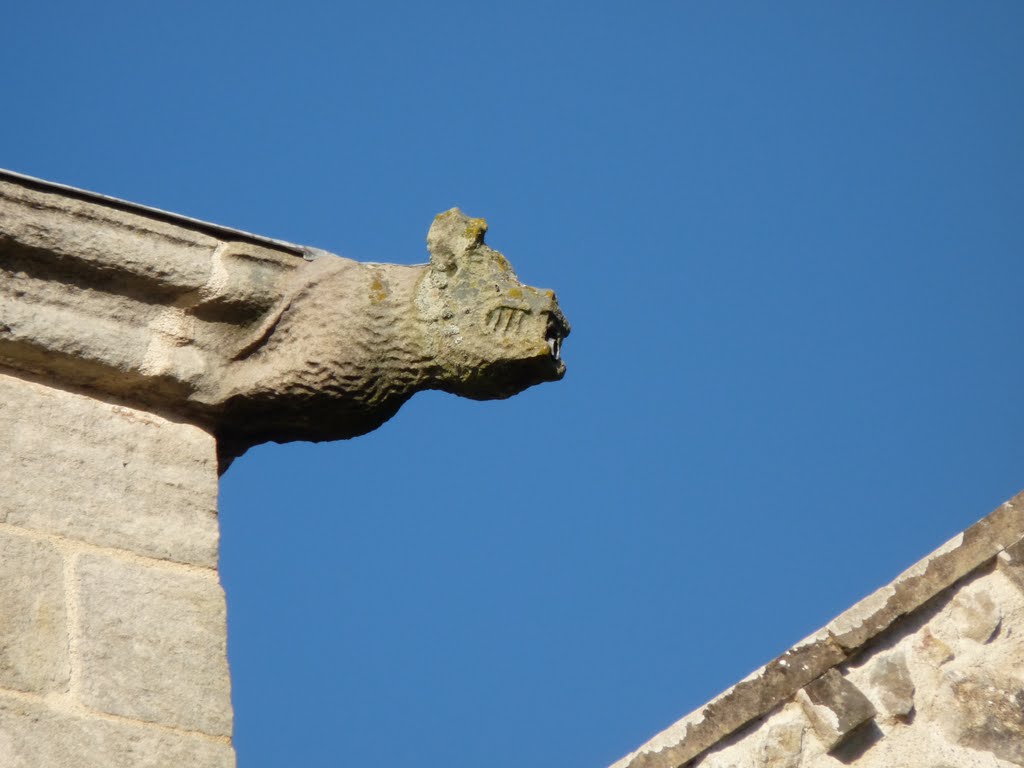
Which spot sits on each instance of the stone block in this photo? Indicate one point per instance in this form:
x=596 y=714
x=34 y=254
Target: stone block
x=783 y=745
x=835 y=707
x=892 y=686
x=107 y=474
x=33 y=625
x=935 y=650
x=34 y=736
x=152 y=644
x=971 y=615
x=984 y=710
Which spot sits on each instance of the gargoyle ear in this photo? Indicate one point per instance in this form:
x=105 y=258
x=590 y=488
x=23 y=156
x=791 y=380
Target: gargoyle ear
x=451 y=236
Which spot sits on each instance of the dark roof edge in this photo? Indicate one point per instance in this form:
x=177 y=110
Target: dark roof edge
x=205 y=227
x=776 y=682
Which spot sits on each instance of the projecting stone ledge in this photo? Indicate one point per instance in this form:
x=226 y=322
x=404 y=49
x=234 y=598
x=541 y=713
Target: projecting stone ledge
x=928 y=671
x=252 y=338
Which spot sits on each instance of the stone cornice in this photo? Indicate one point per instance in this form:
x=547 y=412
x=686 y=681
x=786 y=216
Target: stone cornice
x=254 y=338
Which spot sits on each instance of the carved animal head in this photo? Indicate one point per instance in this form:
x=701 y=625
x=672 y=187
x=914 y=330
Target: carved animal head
x=493 y=336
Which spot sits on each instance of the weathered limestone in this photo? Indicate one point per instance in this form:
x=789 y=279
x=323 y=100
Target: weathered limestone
x=985 y=712
x=891 y=686
x=254 y=339
x=135 y=619
x=112 y=619
x=140 y=352
x=927 y=672
x=34 y=631
x=834 y=706
x=106 y=474
x=34 y=735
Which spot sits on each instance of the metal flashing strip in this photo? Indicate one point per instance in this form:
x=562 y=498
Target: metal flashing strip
x=206 y=227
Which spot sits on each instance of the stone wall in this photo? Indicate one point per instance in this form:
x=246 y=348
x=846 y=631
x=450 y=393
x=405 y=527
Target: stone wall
x=927 y=672
x=113 y=632
x=943 y=689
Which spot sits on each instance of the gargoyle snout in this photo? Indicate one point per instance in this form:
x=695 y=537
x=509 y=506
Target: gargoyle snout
x=557 y=321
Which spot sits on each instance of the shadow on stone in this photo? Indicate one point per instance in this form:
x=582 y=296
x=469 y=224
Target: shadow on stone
x=860 y=740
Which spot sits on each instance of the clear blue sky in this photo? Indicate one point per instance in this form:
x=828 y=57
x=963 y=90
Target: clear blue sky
x=789 y=238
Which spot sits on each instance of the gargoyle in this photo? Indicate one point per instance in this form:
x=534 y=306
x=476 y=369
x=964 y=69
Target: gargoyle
x=253 y=338
x=351 y=342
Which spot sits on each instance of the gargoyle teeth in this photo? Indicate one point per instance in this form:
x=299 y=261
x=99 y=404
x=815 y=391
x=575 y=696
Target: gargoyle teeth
x=557 y=330
x=555 y=345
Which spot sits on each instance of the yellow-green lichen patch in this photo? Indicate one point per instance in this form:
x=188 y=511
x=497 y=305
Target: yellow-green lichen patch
x=475 y=229
x=378 y=291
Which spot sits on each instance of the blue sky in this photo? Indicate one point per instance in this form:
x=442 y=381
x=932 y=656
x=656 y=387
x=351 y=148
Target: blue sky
x=789 y=242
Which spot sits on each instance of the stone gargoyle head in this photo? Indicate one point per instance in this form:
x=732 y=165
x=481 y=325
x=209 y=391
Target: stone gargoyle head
x=493 y=335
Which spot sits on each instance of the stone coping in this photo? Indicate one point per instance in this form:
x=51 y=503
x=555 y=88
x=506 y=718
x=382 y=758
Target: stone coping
x=779 y=680
x=208 y=228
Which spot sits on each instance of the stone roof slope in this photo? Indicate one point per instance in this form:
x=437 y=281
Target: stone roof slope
x=809 y=667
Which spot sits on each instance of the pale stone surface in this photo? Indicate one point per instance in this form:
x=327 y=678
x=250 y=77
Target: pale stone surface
x=245 y=336
x=152 y=644
x=33 y=623
x=927 y=672
x=891 y=685
x=61 y=228
x=984 y=710
x=971 y=615
x=967 y=712
x=936 y=651
x=106 y=474
x=35 y=736
x=783 y=744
